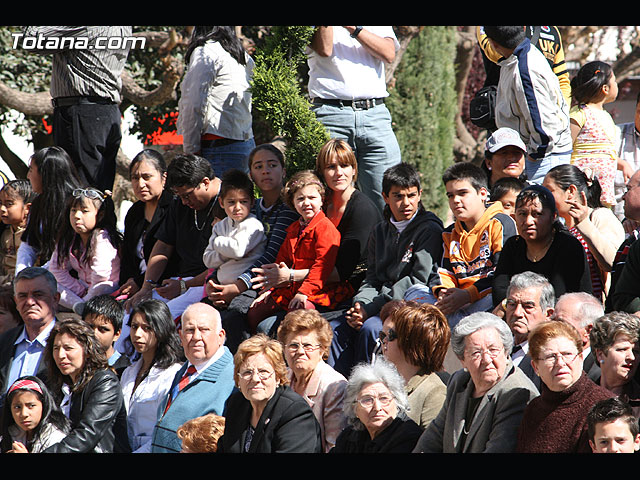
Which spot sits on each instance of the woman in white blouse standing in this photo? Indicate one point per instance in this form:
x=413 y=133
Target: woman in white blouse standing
x=147 y=381
x=215 y=102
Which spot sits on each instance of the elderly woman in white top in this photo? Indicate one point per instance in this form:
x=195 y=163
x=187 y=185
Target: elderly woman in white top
x=306 y=336
x=485 y=400
x=146 y=382
x=215 y=103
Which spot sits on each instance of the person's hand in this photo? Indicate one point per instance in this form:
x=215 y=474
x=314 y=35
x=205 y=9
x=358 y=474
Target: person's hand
x=169 y=289
x=450 y=300
x=221 y=295
x=261 y=298
x=298 y=301
x=578 y=209
x=18 y=447
x=270 y=275
x=144 y=293
x=627 y=170
x=356 y=316
x=629 y=225
x=128 y=288
x=499 y=311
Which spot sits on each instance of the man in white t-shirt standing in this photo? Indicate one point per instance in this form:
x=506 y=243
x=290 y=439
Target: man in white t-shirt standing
x=347 y=89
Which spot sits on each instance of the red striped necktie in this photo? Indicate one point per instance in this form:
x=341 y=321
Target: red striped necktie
x=184 y=381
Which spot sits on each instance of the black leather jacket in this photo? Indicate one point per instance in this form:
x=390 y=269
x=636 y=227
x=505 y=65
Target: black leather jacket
x=98 y=418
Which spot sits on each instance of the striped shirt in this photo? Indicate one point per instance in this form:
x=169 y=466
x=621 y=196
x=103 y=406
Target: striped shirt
x=83 y=71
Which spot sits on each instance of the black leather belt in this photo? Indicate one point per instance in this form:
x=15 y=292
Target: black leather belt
x=67 y=101
x=218 y=142
x=363 y=104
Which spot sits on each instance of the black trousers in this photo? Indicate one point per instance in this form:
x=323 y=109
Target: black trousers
x=90 y=133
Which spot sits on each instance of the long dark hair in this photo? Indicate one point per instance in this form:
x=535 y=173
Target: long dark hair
x=59 y=179
x=587 y=84
x=157 y=314
x=225 y=36
x=95 y=357
x=51 y=413
x=566 y=175
x=105 y=220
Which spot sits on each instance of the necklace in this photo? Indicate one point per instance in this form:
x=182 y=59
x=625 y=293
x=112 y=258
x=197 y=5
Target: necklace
x=542 y=252
x=195 y=215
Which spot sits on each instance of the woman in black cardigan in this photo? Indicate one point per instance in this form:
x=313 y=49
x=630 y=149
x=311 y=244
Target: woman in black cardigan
x=266 y=415
x=90 y=391
x=147 y=172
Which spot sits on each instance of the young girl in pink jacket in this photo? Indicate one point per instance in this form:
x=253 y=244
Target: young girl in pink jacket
x=86 y=261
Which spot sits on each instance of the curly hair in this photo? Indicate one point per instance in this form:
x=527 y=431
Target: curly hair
x=297 y=182
x=302 y=320
x=607 y=328
x=272 y=349
x=94 y=354
x=201 y=434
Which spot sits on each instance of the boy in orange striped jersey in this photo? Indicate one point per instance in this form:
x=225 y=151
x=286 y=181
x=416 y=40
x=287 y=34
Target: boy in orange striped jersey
x=472 y=244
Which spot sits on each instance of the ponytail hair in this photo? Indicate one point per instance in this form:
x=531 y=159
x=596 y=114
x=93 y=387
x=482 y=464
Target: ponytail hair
x=584 y=180
x=587 y=84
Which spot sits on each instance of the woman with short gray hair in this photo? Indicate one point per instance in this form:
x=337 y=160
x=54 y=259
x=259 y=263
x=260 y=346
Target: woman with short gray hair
x=486 y=399
x=375 y=407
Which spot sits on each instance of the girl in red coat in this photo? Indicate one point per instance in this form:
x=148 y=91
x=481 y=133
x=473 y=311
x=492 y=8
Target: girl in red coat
x=310 y=251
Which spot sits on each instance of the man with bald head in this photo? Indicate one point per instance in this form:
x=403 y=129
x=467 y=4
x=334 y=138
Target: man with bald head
x=205 y=381
x=581 y=309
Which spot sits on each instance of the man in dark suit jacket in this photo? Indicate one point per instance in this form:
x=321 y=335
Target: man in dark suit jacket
x=36 y=294
x=530 y=300
x=581 y=309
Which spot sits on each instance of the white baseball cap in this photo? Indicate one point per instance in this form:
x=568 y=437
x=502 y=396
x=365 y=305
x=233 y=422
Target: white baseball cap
x=503 y=137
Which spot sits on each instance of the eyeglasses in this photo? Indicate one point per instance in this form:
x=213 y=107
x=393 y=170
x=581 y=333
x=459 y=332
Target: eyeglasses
x=368 y=400
x=307 y=347
x=492 y=352
x=551 y=359
x=262 y=374
x=91 y=193
x=186 y=196
x=387 y=337
x=529 y=306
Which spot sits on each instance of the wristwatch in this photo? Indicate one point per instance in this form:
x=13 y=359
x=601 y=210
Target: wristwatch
x=183 y=286
x=356 y=32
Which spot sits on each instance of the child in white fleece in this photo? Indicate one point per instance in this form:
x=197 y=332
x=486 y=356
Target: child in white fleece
x=238 y=240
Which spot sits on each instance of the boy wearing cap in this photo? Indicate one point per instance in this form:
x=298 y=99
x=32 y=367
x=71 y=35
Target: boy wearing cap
x=504 y=155
x=471 y=245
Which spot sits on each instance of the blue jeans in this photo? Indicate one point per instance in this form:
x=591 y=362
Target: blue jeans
x=536 y=170
x=226 y=157
x=373 y=141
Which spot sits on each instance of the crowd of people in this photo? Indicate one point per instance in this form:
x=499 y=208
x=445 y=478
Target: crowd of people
x=245 y=310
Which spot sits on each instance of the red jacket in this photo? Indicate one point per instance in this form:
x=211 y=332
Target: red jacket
x=315 y=247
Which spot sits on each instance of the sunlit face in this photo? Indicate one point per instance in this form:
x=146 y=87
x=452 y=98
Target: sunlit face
x=68 y=355
x=614 y=437
x=147 y=182
x=535 y=223
x=381 y=411
x=484 y=358
x=303 y=352
x=390 y=348
x=307 y=202
x=523 y=311
x=338 y=177
x=13 y=210
x=142 y=336
x=506 y=162
x=257 y=379
x=104 y=331
x=559 y=195
x=403 y=202
x=466 y=203
x=559 y=364
x=26 y=410
x=83 y=217
x=267 y=171
x=34 y=300
x=237 y=204
x=199 y=337
x=620 y=362
x=34 y=177
x=611 y=92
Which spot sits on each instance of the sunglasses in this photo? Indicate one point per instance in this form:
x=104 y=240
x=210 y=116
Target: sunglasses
x=91 y=193
x=387 y=337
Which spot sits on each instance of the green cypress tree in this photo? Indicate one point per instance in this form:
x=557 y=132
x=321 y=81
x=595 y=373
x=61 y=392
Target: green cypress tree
x=422 y=105
x=278 y=98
